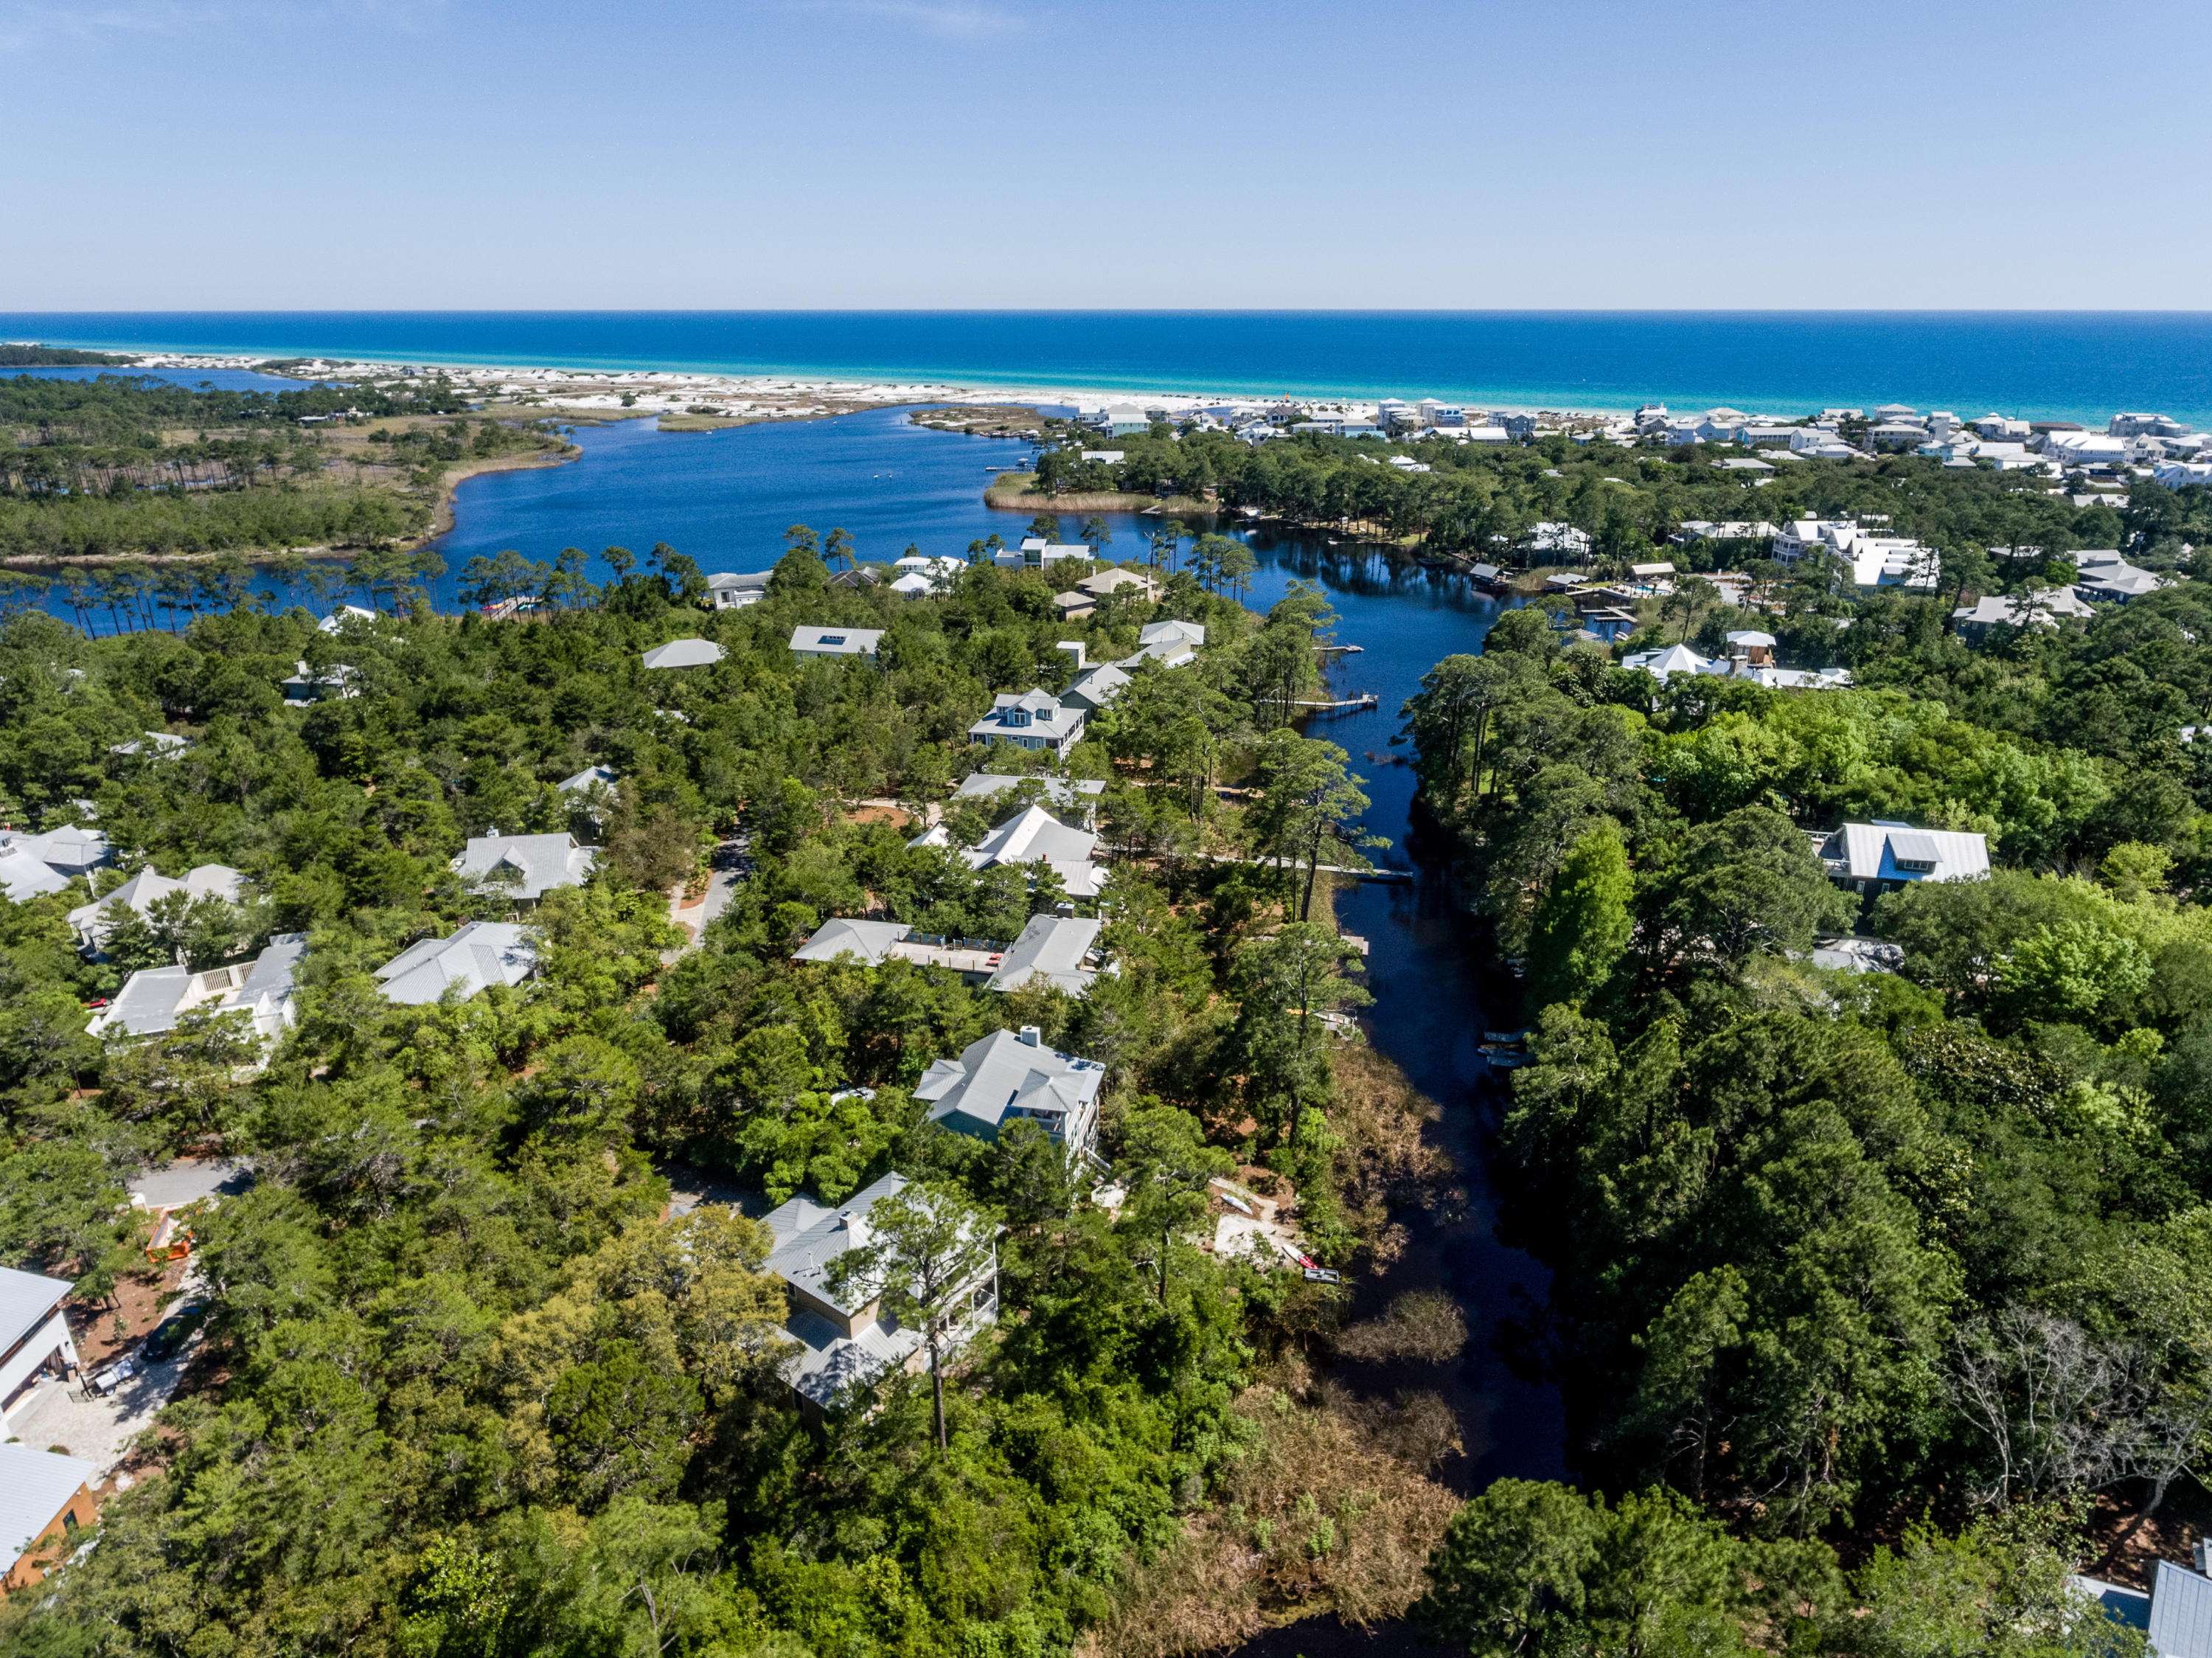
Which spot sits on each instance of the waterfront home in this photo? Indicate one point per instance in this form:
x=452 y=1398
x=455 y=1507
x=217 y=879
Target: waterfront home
x=1896 y=436
x=1550 y=539
x=343 y=617
x=1080 y=795
x=1750 y=647
x=1100 y=584
x=735 y=590
x=683 y=653
x=1034 y=719
x=482 y=953
x=92 y=922
x=2081 y=451
x=306 y=685
x=2046 y=608
x=1073 y=607
x=1883 y=855
x=1657 y=577
x=1171 y=644
x=34 y=1338
x=260 y=992
x=2001 y=427
x=1103 y=457
x=2183 y=474
x=1122 y=420
x=526 y=867
x=1876 y=559
x=847 y=1344
x=828 y=641
x=46 y=1500
x=1665 y=662
x=1010 y=1076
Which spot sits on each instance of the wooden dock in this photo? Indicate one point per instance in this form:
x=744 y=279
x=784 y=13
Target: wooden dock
x=1341 y=650
x=1364 y=699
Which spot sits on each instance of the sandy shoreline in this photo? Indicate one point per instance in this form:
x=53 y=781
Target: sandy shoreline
x=602 y=392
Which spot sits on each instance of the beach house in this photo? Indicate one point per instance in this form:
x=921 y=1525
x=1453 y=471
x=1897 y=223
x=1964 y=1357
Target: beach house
x=683 y=653
x=526 y=867
x=259 y=992
x=735 y=590
x=46 y=1499
x=1881 y=857
x=92 y=922
x=846 y=1342
x=34 y=1338
x=1011 y=1075
x=831 y=641
x=482 y=953
x=1035 y=720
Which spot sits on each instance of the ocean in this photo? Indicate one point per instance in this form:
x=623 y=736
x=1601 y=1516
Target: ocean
x=2061 y=365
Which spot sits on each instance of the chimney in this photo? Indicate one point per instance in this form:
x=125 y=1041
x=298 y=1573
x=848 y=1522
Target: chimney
x=1032 y=1037
x=1076 y=648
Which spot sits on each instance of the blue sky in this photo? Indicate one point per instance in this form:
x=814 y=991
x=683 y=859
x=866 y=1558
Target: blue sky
x=272 y=154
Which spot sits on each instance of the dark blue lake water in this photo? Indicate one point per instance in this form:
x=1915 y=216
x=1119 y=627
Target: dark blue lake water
x=218 y=380
x=2066 y=365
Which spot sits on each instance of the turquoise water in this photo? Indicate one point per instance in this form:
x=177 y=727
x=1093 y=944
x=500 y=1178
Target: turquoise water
x=2068 y=365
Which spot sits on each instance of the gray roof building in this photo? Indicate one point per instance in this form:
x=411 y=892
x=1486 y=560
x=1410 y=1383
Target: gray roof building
x=1075 y=795
x=1034 y=719
x=35 y=1487
x=482 y=953
x=845 y=1348
x=92 y=922
x=1893 y=854
x=683 y=653
x=590 y=777
x=153 y=1000
x=527 y=867
x=1007 y=1075
x=1058 y=950
x=69 y=850
x=23 y=877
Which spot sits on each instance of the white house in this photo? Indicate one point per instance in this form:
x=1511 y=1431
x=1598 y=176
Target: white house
x=847 y=1345
x=2183 y=474
x=306 y=685
x=67 y=851
x=1033 y=720
x=482 y=953
x=734 y=590
x=34 y=1337
x=260 y=991
x=1882 y=855
x=1123 y=420
x=1171 y=644
x=1031 y=836
x=344 y=616
x=1062 y=950
x=92 y=922
x=526 y=867
x=836 y=641
x=590 y=777
x=2043 y=609
x=157 y=745
x=1096 y=688
x=683 y=653
x=1007 y=1077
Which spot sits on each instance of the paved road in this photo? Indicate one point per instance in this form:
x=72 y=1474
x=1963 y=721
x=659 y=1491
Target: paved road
x=729 y=866
x=60 y=1416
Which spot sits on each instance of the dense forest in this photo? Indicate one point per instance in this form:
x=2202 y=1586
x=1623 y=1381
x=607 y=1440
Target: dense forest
x=1880 y=1299
x=121 y=465
x=1840 y=1256
x=1479 y=501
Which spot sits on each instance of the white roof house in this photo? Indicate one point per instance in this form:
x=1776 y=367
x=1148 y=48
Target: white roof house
x=1035 y=836
x=2107 y=577
x=1006 y=1077
x=92 y=922
x=36 y=1486
x=590 y=777
x=1097 y=688
x=23 y=877
x=734 y=590
x=1171 y=644
x=836 y=641
x=2043 y=609
x=1057 y=950
x=846 y=1346
x=482 y=953
x=1113 y=581
x=868 y=943
x=260 y=990
x=1894 y=854
x=34 y=1337
x=527 y=867
x=158 y=744
x=306 y=685
x=1663 y=662
x=67 y=851
x=1750 y=662
x=1034 y=719
x=683 y=653
x=337 y=620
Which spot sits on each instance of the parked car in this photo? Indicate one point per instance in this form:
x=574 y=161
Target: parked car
x=168 y=1339
x=113 y=1376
